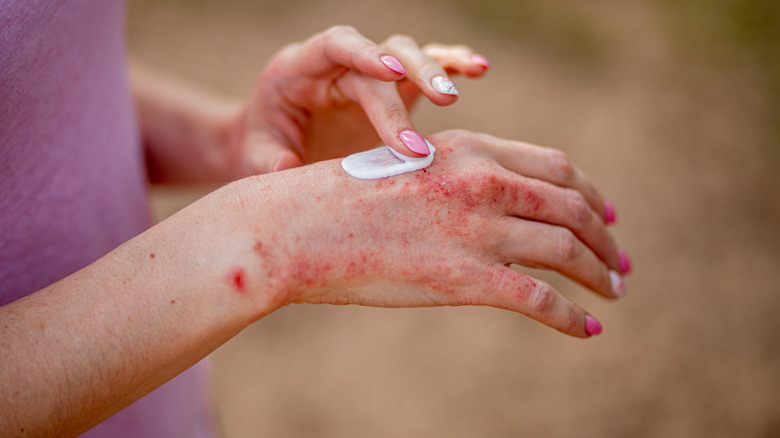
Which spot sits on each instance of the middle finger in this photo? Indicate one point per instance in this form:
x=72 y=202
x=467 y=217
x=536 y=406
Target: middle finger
x=422 y=70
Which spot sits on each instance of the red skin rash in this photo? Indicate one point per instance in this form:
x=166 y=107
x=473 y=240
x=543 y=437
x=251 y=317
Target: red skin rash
x=453 y=206
x=237 y=279
x=533 y=200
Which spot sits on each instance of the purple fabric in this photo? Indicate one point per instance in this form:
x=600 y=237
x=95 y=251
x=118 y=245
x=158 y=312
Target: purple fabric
x=72 y=178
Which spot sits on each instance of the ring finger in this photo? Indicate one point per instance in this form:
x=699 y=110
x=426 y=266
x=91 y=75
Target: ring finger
x=539 y=245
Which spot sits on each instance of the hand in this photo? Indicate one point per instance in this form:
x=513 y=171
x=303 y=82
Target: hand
x=440 y=236
x=445 y=235
x=338 y=93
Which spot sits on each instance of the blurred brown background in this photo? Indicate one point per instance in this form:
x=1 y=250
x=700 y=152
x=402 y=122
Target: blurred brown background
x=672 y=107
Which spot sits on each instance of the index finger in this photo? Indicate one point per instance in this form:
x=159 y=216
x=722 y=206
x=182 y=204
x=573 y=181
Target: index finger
x=387 y=113
x=345 y=47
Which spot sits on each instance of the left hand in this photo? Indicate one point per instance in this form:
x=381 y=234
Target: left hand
x=338 y=93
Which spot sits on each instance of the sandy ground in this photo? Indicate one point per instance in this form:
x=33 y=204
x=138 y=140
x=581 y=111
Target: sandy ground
x=681 y=148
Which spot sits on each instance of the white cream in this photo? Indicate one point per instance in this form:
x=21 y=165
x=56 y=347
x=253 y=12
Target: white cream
x=383 y=162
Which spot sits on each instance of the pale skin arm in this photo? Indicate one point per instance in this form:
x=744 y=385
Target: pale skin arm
x=78 y=351
x=82 y=349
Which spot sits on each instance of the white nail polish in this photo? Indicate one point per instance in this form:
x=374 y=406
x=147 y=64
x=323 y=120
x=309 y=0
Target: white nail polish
x=618 y=286
x=444 y=85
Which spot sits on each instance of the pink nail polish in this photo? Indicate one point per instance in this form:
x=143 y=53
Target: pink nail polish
x=592 y=326
x=480 y=60
x=609 y=212
x=393 y=64
x=625 y=262
x=414 y=141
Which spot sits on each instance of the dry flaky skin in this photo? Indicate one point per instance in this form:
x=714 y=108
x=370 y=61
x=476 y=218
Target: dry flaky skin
x=441 y=236
x=673 y=142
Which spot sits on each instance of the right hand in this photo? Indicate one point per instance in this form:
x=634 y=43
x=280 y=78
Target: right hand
x=333 y=95
x=445 y=235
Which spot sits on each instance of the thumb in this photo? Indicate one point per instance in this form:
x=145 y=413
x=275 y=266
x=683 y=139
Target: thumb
x=265 y=154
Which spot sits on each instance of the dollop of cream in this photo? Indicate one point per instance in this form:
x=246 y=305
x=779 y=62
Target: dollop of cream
x=384 y=162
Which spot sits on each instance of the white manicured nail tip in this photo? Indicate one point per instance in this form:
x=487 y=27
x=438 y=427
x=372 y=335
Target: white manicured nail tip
x=444 y=85
x=618 y=286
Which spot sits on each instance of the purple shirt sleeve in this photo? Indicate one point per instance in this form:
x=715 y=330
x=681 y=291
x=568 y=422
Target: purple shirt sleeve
x=72 y=177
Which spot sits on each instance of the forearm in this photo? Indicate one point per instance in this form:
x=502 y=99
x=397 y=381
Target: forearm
x=82 y=349
x=187 y=132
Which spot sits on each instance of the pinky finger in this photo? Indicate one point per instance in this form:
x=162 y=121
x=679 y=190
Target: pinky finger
x=512 y=290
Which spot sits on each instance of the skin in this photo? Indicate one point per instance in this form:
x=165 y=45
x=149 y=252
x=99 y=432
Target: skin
x=326 y=97
x=165 y=299
x=80 y=350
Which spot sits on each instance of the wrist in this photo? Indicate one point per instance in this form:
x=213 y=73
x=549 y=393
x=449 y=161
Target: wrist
x=229 y=129
x=285 y=218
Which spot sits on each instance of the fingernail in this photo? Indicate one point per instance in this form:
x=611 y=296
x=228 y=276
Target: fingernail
x=393 y=64
x=592 y=326
x=480 y=60
x=618 y=285
x=609 y=212
x=414 y=141
x=444 y=85
x=625 y=262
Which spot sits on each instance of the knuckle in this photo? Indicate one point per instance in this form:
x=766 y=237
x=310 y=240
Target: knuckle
x=434 y=49
x=579 y=209
x=367 y=50
x=461 y=134
x=394 y=115
x=567 y=246
x=287 y=52
x=484 y=141
x=561 y=166
x=481 y=176
x=473 y=139
x=341 y=29
x=459 y=137
x=429 y=70
x=333 y=36
x=571 y=320
x=542 y=299
x=400 y=40
x=463 y=48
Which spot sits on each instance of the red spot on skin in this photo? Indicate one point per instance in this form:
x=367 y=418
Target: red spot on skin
x=258 y=248
x=533 y=200
x=151 y=256
x=238 y=279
